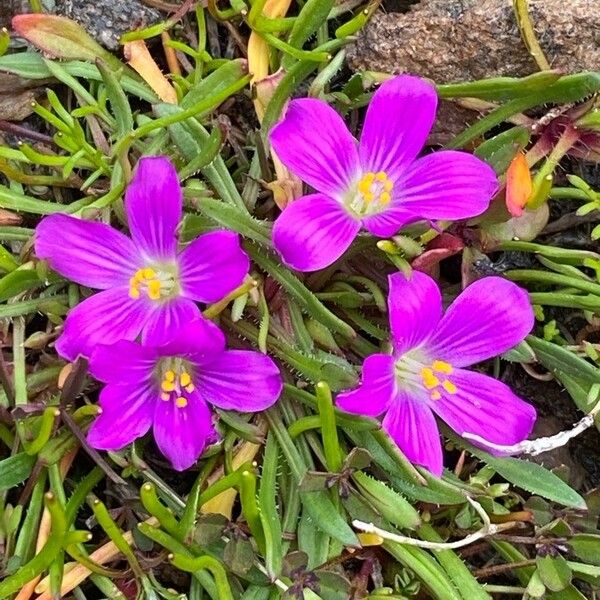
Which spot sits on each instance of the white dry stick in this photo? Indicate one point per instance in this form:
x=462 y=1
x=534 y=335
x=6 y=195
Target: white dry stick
x=544 y=444
x=488 y=529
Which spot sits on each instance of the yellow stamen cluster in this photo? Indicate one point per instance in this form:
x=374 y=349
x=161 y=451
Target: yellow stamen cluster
x=376 y=187
x=145 y=278
x=171 y=383
x=432 y=382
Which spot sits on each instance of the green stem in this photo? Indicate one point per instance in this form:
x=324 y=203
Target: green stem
x=553 y=279
x=331 y=442
x=19 y=375
x=528 y=34
x=157 y=509
x=114 y=533
x=192 y=565
x=44 y=558
x=48 y=419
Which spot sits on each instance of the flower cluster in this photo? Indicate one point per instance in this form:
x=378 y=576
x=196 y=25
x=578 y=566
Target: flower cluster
x=149 y=291
x=163 y=364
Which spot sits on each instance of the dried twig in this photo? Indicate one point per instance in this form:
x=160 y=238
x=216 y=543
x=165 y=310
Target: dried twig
x=488 y=529
x=544 y=444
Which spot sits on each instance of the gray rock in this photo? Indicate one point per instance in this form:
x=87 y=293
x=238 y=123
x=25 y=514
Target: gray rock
x=107 y=20
x=461 y=40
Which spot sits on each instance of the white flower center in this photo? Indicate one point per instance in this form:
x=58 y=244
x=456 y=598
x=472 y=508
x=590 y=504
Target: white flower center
x=157 y=282
x=176 y=382
x=371 y=195
x=431 y=377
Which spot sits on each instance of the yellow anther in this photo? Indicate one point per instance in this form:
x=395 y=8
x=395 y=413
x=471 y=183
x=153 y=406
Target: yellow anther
x=442 y=367
x=376 y=188
x=435 y=395
x=430 y=381
x=449 y=387
x=181 y=402
x=165 y=396
x=363 y=186
x=169 y=375
x=167 y=386
x=190 y=388
x=154 y=289
x=134 y=293
x=185 y=379
x=147 y=273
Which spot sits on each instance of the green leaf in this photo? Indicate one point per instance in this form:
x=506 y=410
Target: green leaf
x=217 y=81
x=522 y=353
x=502 y=148
x=570 y=88
x=238 y=555
x=554 y=572
x=499 y=88
x=586 y=546
x=333 y=586
x=534 y=478
x=455 y=567
x=269 y=515
x=7 y=261
x=18 y=281
x=235 y=219
x=117 y=98
x=313 y=543
x=313 y=14
x=31 y=65
x=557 y=358
x=15 y=469
x=569 y=593
x=394 y=507
x=579 y=389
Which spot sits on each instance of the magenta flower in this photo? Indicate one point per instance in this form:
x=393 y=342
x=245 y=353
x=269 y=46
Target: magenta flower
x=149 y=287
x=425 y=374
x=376 y=184
x=170 y=387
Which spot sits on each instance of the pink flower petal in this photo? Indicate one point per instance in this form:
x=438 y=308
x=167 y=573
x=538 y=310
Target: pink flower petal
x=153 y=202
x=89 y=253
x=485 y=407
x=415 y=308
x=376 y=390
x=104 y=318
x=127 y=412
x=107 y=362
x=199 y=340
x=412 y=426
x=490 y=317
x=313 y=232
x=239 y=380
x=166 y=318
x=389 y=221
x=181 y=434
x=313 y=141
x=398 y=121
x=212 y=266
x=446 y=185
